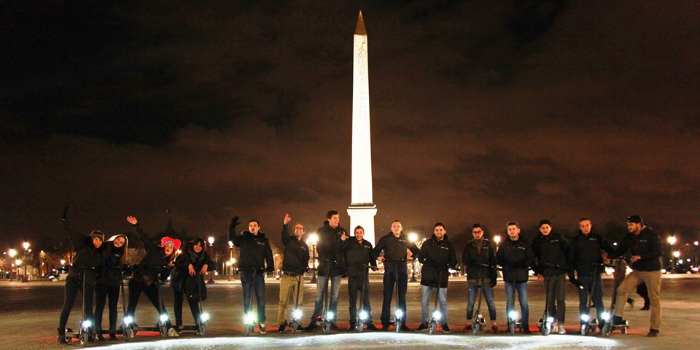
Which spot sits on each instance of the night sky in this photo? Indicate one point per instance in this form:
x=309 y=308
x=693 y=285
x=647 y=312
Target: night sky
x=482 y=111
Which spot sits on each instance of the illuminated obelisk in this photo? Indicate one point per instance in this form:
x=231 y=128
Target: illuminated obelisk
x=362 y=209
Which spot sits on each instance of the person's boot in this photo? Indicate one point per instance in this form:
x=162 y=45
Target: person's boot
x=405 y=328
x=653 y=333
x=100 y=337
x=313 y=325
x=385 y=327
x=112 y=335
x=618 y=321
x=525 y=329
x=371 y=327
x=445 y=328
x=261 y=329
x=351 y=327
x=62 y=336
x=422 y=326
x=282 y=327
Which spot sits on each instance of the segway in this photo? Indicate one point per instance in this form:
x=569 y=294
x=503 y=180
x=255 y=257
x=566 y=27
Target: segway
x=546 y=322
x=128 y=327
x=86 y=333
x=608 y=327
x=479 y=321
x=296 y=312
x=436 y=316
x=588 y=324
x=362 y=315
x=327 y=316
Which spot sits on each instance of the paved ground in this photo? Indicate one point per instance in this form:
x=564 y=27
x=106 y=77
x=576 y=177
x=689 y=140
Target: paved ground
x=29 y=314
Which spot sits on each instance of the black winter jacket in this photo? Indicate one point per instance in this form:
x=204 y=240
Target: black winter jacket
x=255 y=251
x=88 y=260
x=479 y=259
x=394 y=248
x=515 y=257
x=330 y=251
x=296 y=253
x=111 y=274
x=647 y=245
x=358 y=257
x=437 y=256
x=551 y=254
x=585 y=253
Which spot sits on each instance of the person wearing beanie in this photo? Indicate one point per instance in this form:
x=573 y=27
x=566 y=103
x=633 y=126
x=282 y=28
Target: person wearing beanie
x=110 y=278
x=83 y=273
x=644 y=246
x=551 y=266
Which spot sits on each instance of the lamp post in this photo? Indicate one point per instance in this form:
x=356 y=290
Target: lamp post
x=12 y=253
x=312 y=240
x=26 y=246
x=230 y=259
x=211 y=249
x=413 y=238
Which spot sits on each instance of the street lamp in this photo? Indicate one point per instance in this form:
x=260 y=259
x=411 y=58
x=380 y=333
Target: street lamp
x=211 y=249
x=312 y=240
x=676 y=254
x=671 y=240
x=26 y=246
x=12 y=253
x=413 y=238
x=497 y=239
x=695 y=243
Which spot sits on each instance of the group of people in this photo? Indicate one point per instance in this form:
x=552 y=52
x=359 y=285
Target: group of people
x=98 y=268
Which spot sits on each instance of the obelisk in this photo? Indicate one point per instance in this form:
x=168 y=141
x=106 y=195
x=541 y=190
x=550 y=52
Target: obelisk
x=362 y=208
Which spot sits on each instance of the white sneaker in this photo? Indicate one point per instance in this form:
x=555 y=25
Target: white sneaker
x=562 y=329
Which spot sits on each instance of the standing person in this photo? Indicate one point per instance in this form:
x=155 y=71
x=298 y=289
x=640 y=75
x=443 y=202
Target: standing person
x=114 y=255
x=551 y=266
x=396 y=249
x=479 y=258
x=644 y=246
x=331 y=267
x=152 y=270
x=295 y=263
x=516 y=257
x=438 y=256
x=188 y=280
x=82 y=277
x=256 y=259
x=358 y=258
x=587 y=251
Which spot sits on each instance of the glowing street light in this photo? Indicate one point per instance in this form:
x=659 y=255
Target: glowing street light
x=26 y=245
x=210 y=240
x=63 y=262
x=312 y=240
x=413 y=237
x=497 y=239
x=230 y=244
x=695 y=243
x=671 y=240
x=676 y=254
x=18 y=262
x=12 y=253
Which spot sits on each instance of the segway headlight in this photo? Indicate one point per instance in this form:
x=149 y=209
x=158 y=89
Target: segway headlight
x=128 y=320
x=550 y=320
x=86 y=324
x=297 y=314
x=249 y=318
x=398 y=313
x=585 y=318
x=330 y=315
x=605 y=316
x=364 y=315
x=164 y=318
x=513 y=315
x=437 y=315
x=204 y=317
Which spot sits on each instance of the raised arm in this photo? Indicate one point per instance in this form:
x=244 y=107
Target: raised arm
x=233 y=235
x=286 y=234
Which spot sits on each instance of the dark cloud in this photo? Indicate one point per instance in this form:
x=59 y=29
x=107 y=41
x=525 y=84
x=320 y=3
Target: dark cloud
x=482 y=111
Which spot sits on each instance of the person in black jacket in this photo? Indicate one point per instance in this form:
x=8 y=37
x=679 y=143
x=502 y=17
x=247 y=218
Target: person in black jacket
x=586 y=255
x=330 y=267
x=358 y=258
x=396 y=249
x=515 y=256
x=114 y=253
x=438 y=256
x=152 y=270
x=552 y=265
x=644 y=247
x=82 y=277
x=295 y=263
x=187 y=279
x=479 y=259
x=255 y=260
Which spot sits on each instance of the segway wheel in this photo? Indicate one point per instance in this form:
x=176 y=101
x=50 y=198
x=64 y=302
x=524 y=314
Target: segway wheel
x=84 y=338
x=475 y=327
x=624 y=330
x=129 y=333
x=326 y=327
x=247 y=330
x=360 y=326
x=511 y=327
x=432 y=327
x=202 y=331
x=584 y=329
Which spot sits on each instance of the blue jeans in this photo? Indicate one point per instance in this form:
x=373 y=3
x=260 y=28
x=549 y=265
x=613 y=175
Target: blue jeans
x=321 y=290
x=596 y=294
x=426 y=296
x=254 y=282
x=521 y=289
x=486 y=292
